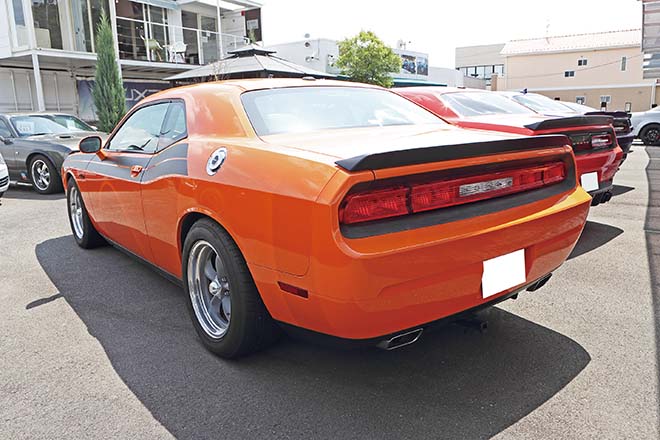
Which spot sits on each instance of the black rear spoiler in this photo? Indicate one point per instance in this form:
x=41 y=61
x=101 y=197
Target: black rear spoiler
x=416 y=156
x=573 y=121
x=617 y=114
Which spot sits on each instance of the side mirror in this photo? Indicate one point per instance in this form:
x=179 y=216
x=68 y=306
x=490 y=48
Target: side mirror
x=5 y=140
x=90 y=144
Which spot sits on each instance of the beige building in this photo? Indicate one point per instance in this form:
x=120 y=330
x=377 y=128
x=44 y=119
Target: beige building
x=591 y=69
x=480 y=63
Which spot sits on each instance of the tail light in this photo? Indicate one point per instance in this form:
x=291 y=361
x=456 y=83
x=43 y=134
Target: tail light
x=442 y=193
x=601 y=141
x=587 y=141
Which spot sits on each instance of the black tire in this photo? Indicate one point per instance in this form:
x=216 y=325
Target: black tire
x=251 y=328
x=54 y=183
x=89 y=237
x=650 y=134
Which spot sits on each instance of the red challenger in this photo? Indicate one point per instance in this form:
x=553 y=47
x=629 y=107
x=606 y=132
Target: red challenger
x=593 y=139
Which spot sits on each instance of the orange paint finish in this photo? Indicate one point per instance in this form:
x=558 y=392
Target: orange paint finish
x=278 y=197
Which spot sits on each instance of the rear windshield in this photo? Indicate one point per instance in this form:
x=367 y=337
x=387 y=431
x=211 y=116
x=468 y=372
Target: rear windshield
x=482 y=103
x=306 y=109
x=541 y=104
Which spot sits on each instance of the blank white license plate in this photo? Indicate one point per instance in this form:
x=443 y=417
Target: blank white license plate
x=589 y=181
x=502 y=273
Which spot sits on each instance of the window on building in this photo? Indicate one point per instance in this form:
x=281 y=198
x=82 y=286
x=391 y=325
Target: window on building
x=569 y=73
x=499 y=69
x=19 y=23
x=580 y=100
x=624 y=63
x=582 y=62
x=47 y=26
x=606 y=99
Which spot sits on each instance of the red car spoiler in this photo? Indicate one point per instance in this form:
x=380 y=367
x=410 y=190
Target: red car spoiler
x=415 y=156
x=573 y=121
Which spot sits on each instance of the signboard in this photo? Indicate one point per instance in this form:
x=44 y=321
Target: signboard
x=414 y=65
x=135 y=91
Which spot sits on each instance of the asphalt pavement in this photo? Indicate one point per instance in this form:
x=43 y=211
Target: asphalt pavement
x=96 y=345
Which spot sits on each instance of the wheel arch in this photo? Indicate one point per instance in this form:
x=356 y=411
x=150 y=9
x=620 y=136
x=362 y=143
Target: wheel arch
x=647 y=125
x=187 y=221
x=56 y=163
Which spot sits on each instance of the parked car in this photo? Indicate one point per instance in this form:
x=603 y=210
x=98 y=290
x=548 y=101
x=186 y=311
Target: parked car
x=328 y=207
x=4 y=177
x=620 y=121
x=646 y=126
x=69 y=121
x=34 y=147
x=592 y=137
x=551 y=107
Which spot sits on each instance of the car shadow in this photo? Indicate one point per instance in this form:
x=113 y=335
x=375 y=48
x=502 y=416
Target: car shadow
x=594 y=236
x=453 y=383
x=618 y=190
x=652 y=230
x=25 y=192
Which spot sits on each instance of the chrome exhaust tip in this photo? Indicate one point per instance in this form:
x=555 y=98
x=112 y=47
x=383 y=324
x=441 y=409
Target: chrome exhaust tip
x=400 y=340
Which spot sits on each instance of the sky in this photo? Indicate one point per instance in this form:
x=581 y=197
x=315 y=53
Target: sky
x=438 y=27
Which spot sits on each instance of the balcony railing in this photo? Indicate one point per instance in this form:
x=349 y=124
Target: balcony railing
x=147 y=41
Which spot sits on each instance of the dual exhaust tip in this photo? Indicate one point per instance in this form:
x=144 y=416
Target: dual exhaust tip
x=400 y=340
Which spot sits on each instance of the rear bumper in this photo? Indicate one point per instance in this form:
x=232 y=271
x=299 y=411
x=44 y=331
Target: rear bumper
x=4 y=179
x=605 y=163
x=372 y=287
x=603 y=194
x=625 y=142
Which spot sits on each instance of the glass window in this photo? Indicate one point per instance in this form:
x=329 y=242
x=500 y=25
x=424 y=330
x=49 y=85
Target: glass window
x=48 y=29
x=624 y=63
x=582 y=62
x=499 y=69
x=141 y=131
x=174 y=128
x=307 y=109
x=5 y=132
x=36 y=125
x=482 y=103
x=569 y=73
x=70 y=122
x=540 y=103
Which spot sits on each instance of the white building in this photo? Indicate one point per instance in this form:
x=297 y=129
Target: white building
x=322 y=53
x=47 y=52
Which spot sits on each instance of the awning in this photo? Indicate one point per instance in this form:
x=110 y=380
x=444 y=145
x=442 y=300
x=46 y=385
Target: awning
x=167 y=4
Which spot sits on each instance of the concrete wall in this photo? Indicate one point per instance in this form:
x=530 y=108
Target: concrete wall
x=639 y=97
x=18 y=94
x=483 y=55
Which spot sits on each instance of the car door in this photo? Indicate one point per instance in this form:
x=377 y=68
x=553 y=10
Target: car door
x=112 y=178
x=7 y=147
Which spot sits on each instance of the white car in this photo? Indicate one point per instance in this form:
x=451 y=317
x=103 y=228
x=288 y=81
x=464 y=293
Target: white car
x=646 y=126
x=4 y=176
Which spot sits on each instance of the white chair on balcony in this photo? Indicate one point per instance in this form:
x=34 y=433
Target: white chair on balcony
x=153 y=47
x=176 y=52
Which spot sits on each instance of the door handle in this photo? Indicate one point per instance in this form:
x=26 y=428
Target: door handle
x=135 y=170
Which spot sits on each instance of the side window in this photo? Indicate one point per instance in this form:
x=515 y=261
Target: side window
x=4 y=130
x=174 y=128
x=141 y=132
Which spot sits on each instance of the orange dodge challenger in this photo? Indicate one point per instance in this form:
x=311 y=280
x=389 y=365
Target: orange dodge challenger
x=330 y=208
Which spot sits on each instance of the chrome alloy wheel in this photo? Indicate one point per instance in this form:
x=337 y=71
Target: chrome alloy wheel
x=208 y=284
x=76 y=212
x=40 y=174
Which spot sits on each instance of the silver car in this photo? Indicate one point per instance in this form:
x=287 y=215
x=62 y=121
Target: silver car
x=646 y=126
x=35 y=145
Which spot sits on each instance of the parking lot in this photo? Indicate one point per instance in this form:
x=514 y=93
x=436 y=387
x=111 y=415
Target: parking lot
x=95 y=344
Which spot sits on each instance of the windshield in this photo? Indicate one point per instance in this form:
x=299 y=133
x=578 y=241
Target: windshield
x=541 y=104
x=70 y=122
x=483 y=103
x=306 y=109
x=33 y=125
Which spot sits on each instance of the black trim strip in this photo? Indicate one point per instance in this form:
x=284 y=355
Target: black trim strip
x=573 y=121
x=415 y=156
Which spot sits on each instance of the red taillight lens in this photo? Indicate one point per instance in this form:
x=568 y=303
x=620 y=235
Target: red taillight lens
x=426 y=196
x=374 y=205
x=601 y=141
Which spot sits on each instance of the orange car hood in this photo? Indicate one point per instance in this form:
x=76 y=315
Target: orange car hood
x=345 y=143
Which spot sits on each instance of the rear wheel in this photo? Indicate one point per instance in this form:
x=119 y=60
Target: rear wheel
x=223 y=301
x=44 y=176
x=83 y=230
x=650 y=134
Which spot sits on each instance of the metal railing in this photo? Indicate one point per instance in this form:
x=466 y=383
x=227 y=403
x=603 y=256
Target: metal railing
x=147 y=41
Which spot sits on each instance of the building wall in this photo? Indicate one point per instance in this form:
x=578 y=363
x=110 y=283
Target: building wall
x=547 y=70
x=488 y=54
x=18 y=91
x=639 y=97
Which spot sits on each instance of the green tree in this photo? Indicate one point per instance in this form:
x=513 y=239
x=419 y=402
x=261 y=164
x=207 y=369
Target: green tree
x=365 y=58
x=108 y=92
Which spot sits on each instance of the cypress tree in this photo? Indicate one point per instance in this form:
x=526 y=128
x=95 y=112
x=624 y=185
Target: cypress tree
x=108 y=91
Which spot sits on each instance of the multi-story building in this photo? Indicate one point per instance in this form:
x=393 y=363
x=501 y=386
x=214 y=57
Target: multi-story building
x=481 y=61
x=47 y=47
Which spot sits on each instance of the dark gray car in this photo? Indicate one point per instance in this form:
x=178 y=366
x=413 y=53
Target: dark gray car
x=34 y=147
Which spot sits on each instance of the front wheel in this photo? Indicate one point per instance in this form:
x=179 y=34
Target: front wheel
x=44 y=176
x=84 y=233
x=650 y=134
x=224 y=304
